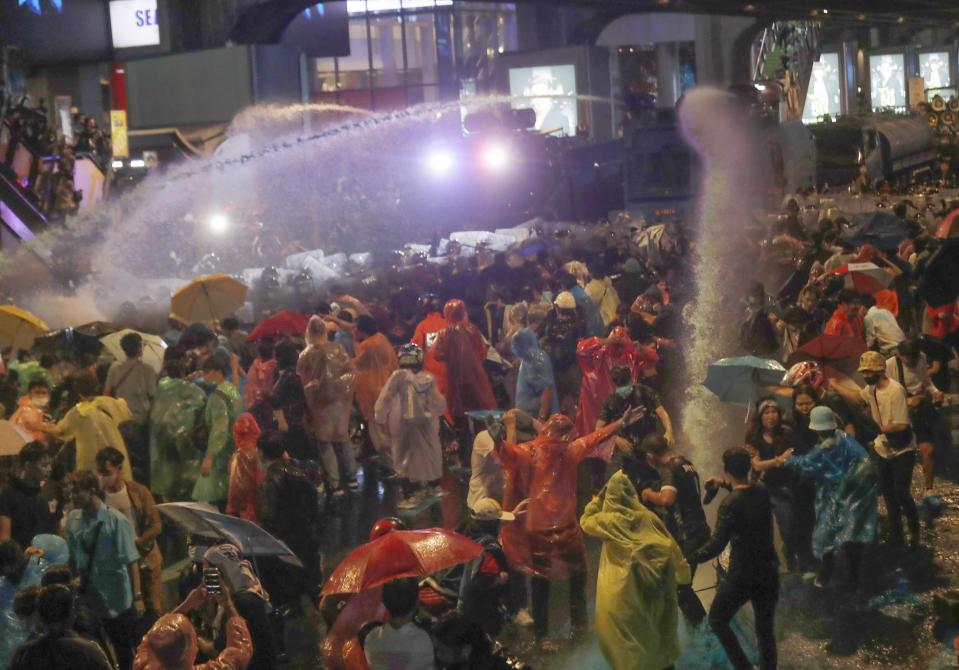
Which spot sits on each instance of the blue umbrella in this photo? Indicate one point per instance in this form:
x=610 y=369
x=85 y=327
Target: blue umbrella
x=880 y=229
x=741 y=380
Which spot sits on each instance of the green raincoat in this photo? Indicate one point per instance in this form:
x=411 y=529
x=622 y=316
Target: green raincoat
x=219 y=416
x=640 y=566
x=174 y=459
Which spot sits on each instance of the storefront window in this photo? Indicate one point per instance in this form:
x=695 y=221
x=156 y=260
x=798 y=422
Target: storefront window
x=421 y=66
x=638 y=70
x=325 y=81
x=386 y=34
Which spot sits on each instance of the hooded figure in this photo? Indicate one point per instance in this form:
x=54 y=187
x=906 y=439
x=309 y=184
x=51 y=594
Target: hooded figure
x=328 y=379
x=174 y=460
x=171 y=644
x=95 y=424
x=425 y=336
x=846 y=498
x=411 y=404
x=597 y=358
x=535 y=375
x=639 y=569
x=552 y=545
x=462 y=348
x=245 y=472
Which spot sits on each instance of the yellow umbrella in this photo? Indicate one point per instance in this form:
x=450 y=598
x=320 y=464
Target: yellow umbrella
x=208 y=298
x=19 y=328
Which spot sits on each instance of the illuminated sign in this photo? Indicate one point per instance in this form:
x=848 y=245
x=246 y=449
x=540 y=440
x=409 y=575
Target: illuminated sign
x=134 y=23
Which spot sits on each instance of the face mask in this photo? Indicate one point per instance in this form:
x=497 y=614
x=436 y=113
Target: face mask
x=40 y=402
x=624 y=391
x=871 y=379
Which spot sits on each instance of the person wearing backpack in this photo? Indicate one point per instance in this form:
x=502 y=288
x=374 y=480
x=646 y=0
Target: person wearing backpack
x=221 y=410
x=411 y=405
x=287 y=504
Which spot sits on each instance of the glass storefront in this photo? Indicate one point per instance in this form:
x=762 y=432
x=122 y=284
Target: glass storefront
x=405 y=52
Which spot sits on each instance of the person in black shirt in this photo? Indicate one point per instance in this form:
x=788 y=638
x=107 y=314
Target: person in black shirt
x=289 y=405
x=628 y=395
x=745 y=521
x=679 y=493
x=24 y=509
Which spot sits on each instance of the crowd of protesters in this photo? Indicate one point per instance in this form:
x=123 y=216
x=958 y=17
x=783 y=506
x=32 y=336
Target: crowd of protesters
x=524 y=371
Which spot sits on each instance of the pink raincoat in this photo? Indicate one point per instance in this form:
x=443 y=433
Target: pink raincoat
x=462 y=349
x=596 y=360
x=259 y=381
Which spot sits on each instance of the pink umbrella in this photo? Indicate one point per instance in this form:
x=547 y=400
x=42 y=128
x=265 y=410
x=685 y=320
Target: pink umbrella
x=945 y=228
x=864 y=277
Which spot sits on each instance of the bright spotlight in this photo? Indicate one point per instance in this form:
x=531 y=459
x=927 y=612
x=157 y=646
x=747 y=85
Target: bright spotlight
x=496 y=157
x=440 y=161
x=219 y=223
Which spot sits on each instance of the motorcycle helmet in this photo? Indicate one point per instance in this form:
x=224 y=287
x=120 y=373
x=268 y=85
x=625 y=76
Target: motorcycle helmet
x=387 y=525
x=410 y=356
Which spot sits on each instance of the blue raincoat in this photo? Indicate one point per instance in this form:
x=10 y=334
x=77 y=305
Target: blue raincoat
x=845 y=492
x=535 y=373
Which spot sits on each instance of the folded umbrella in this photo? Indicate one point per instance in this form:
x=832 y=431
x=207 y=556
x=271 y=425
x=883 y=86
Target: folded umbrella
x=401 y=553
x=837 y=354
x=281 y=323
x=742 y=379
x=204 y=520
x=19 y=328
x=154 y=347
x=864 y=277
x=209 y=298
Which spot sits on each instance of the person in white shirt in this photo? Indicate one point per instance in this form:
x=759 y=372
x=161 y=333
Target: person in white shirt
x=881 y=327
x=399 y=644
x=909 y=368
x=895 y=445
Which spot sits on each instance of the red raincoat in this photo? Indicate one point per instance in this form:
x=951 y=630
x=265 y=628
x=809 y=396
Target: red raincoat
x=259 y=381
x=555 y=540
x=596 y=361
x=375 y=361
x=462 y=349
x=840 y=324
x=245 y=472
x=425 y=336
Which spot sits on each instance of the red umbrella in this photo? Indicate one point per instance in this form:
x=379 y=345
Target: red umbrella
x=398 y=554
x=945 y=228
x=865 y=277
x=837 y=354
x=281 y=323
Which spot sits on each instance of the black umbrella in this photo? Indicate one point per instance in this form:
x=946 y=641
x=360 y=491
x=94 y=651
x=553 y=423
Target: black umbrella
x=940 y=281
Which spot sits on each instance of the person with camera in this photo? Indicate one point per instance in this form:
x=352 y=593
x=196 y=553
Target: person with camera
x=745 y=522
x=894 y=447
x=172 y=644
x=225 y=569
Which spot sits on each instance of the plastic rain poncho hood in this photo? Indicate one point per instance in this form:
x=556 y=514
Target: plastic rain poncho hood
x=174 y=459
x=328 y=379
x=846 y=504
x=639 y=568
x=462 y=348
x=535 y=373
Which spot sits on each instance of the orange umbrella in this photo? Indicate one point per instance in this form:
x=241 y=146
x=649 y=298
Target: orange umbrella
x=398 y=554
x=945 y=228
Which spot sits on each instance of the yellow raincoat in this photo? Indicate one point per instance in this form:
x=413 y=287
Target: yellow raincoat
x=641 y=564
x=95 y=425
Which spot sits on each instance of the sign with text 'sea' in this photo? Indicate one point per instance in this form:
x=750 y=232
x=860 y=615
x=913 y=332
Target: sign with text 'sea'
x=134 y=23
